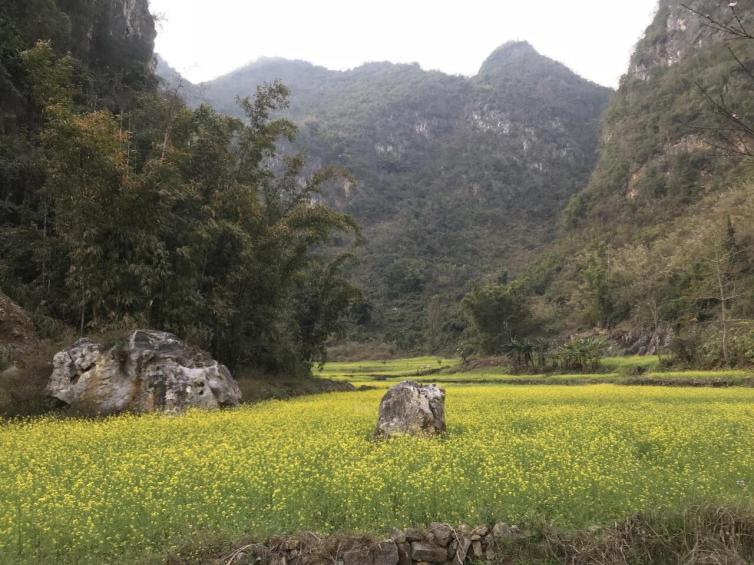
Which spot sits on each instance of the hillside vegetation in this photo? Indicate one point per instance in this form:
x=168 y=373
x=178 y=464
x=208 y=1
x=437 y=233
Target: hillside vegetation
x=435 y=213
x=656 y=250
x=451 y=177
x=120 y=207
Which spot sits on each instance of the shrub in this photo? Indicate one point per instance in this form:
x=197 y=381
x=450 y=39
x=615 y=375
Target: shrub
x=701 y=348
x=529 y=354
x=580 y=354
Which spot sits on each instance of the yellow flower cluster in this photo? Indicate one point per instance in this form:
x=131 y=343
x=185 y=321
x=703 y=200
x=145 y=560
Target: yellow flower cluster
x=79 y=491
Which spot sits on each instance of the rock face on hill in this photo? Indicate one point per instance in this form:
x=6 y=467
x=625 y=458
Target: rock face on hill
x=409 y=408
x=680 y=28
x=670 y=179
x=148 y=371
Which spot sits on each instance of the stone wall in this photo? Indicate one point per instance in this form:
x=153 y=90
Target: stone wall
x=436 y=544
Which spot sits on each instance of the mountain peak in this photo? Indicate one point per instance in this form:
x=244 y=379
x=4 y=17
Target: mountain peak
x=510 y=52
x=520 y=62
x=510 y=58
x=514 y=48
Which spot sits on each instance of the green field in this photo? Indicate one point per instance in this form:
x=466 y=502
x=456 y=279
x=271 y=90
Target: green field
x=117 y=489
x=391 y=367
x=615 y=370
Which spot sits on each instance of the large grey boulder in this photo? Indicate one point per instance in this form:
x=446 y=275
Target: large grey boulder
x=409 y=408
x=147 y=371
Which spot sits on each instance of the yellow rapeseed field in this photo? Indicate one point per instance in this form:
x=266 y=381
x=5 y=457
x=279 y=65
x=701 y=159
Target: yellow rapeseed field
x=77 y=491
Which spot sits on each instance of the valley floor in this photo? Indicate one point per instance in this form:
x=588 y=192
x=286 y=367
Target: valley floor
x=126 y=488
x=629 y=370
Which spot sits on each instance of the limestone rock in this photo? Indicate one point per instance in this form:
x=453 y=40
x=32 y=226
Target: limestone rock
x=148 y=371
x=404 y=554
x=409 y=408
x=481 y=531
x=385 y=553
x=421 y=551
x=357 y=556
x=441 y=533
x=682 y=33
x=501 y=530
x=397 y=535
x=414 y=534
x=128 y=30
x=460 y=553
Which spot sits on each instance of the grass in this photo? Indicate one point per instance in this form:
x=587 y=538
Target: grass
x=646 y=362
x=257 y=388
x=630 y=370
x=678 y=378
x=393 y=367
x=121 y=488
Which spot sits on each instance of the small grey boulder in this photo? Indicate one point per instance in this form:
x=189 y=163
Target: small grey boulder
x=148 y=371
x=409 y=408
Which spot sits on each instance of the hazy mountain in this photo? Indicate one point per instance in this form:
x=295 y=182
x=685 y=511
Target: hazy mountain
x=455 y=176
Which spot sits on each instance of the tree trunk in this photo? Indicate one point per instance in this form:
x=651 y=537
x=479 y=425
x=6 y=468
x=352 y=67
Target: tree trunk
x=723 y=320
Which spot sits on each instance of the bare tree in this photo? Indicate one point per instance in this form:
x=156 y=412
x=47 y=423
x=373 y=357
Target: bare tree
x=725 y=293
x=720 y=285
x=734 y=134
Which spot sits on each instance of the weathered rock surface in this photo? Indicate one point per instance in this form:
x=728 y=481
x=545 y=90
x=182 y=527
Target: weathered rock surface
x=440 y=533
x=643 y=342
x=148 y=371
x=460 y=551
x=421 y=551
x=384 y=553
x=409 y=408
x=122 y=33
x=677 y=30
x=18 y=337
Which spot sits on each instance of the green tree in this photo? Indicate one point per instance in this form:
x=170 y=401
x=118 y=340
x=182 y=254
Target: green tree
x=499 y=315
x=194 y=223
x=596 y=290
x=322 y=299
x=720 y=277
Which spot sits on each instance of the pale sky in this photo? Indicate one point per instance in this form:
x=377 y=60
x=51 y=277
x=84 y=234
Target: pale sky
x=205 y=39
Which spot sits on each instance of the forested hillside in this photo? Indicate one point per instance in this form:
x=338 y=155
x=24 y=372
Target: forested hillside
x=659 y=242
x=120 y=207
x=452 y=177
